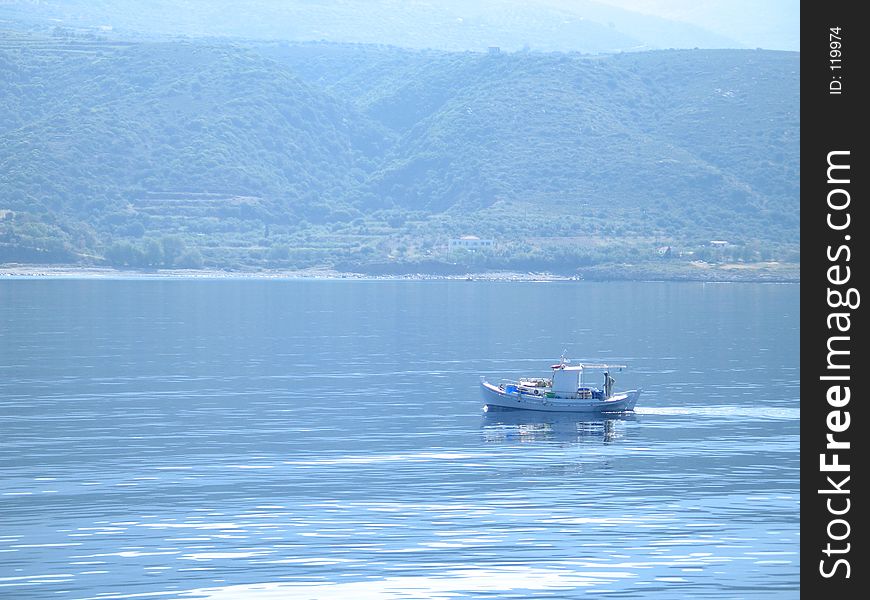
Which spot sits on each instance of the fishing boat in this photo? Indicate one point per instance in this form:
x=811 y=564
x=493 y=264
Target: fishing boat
x=564 y=391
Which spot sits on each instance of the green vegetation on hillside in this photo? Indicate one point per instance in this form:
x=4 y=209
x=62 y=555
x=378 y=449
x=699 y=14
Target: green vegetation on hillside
x=204 y=154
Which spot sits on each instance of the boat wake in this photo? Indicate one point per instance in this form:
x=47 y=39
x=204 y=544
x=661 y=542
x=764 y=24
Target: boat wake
x=722 y=411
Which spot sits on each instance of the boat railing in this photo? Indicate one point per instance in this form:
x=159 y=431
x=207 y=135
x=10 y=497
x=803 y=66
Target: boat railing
x=523 y=386
x=536 y=382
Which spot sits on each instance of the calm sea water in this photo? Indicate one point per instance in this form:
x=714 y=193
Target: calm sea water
x=253 y=439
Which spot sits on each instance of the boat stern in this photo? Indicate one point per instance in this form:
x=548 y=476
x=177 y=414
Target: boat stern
x=632 y=397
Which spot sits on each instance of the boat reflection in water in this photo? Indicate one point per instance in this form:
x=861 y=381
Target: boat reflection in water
x=532 y=426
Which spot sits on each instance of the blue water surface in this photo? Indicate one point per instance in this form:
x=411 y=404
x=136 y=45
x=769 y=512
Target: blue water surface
x=265 y=439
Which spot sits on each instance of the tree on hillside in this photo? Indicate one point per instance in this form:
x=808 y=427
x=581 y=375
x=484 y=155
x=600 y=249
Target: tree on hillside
x=173 y=248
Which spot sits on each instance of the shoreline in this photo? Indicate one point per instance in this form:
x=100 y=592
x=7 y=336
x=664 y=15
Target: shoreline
x=725 y=274
x=56 y=272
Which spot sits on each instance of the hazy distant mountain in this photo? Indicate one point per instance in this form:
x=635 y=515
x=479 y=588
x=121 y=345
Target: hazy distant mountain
x=773 y=24
x=541 y=25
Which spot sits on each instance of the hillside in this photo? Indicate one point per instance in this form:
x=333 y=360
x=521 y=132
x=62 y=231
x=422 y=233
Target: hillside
x=715 y=113
x=274 y=155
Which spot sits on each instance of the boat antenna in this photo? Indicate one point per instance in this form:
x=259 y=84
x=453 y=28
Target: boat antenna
x=563 y=360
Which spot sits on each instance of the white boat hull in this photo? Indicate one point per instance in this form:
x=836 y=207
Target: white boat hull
x=495 y=398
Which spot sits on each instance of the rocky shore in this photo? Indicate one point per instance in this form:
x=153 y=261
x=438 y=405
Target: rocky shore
x=756 y=272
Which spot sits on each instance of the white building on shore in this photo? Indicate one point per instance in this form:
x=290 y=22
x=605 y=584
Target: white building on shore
x=469 y=242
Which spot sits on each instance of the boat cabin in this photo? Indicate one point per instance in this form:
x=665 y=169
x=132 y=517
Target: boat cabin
x=566 y=379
